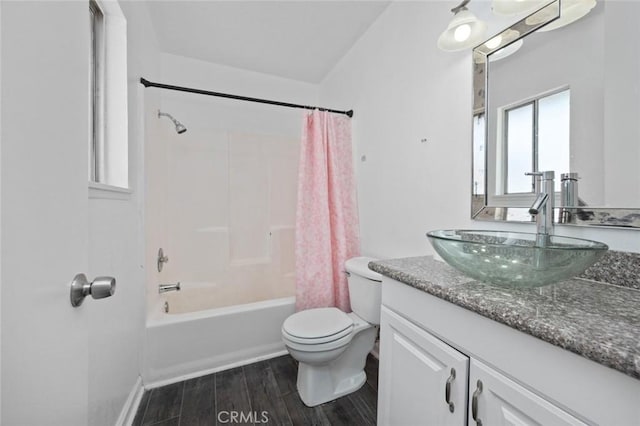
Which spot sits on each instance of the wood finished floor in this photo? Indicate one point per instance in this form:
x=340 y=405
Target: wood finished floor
x=268 y=386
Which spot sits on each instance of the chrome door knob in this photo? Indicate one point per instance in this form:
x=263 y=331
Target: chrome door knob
x=100 y=288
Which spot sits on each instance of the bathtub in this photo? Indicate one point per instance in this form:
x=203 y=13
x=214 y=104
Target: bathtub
x=184 y=345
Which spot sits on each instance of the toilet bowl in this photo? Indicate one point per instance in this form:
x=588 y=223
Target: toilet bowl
x=331 y=346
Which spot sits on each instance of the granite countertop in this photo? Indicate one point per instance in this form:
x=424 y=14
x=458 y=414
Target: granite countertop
x=595 y=320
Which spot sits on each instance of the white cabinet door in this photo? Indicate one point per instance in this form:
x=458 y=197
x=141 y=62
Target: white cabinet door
x=415 y=368
x=500 y=401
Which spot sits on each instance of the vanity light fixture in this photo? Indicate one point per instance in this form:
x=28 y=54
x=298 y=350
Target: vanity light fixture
x=570 y=11
x=464 y=30
x=506 y=39
x=514 y=7
x=492 y=43
x=506 y=51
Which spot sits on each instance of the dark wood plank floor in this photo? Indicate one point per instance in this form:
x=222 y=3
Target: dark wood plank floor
x=267 y=386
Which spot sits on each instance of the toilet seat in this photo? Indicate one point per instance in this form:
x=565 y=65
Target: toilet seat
x=318 y=347
x=317 y=326
x=317 y=340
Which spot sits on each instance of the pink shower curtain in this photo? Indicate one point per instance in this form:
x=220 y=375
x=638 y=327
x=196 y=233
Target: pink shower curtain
x=327 y=230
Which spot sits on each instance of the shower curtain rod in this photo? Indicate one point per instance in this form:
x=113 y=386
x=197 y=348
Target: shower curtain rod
x=147 y=83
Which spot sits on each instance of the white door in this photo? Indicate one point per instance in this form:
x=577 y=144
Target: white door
x=43 y=216
x=500 y=401
x=415 y=371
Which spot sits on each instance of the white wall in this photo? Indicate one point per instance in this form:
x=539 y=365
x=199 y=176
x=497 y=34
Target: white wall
x=403 y=89
x=621 y=106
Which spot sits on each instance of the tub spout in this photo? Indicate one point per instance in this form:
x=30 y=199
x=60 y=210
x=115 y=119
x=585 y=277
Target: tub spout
x=163 y=288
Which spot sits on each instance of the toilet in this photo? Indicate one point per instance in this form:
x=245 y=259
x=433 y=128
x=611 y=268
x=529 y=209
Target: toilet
x=331 y=346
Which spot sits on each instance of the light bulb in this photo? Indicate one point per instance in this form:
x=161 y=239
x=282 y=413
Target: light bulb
x=494 y=42
x=462 y=32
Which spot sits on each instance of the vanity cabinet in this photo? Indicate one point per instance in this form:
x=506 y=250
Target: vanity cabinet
x=425 y=381
x=497 y=400
x=525 y=381
x=422 y=380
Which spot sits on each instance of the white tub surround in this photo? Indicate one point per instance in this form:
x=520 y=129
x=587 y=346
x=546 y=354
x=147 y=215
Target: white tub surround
x=203 y=296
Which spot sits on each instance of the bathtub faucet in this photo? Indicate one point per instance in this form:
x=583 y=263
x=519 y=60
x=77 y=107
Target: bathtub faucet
x=163 y=288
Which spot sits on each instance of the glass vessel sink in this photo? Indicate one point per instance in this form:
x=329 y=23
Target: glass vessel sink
x=512 y=258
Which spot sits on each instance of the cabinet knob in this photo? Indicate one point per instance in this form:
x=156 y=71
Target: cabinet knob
x=447 y=390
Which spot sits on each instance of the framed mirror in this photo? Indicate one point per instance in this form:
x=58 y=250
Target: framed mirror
x=561 y=98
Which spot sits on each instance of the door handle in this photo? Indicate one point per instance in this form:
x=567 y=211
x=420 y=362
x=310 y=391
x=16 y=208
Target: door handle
x=474 y=403
x=99 y=288
x=447 y=390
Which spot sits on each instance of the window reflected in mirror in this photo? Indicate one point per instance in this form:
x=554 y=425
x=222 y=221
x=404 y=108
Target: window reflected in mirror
x=478 y=154
x=535 y=138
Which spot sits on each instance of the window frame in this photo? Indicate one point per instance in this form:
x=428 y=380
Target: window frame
x=108 y=150
x=504 y=184
x=504 y=139
x=96 y=92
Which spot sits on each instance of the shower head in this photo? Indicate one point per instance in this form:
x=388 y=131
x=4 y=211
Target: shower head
x=180 y=128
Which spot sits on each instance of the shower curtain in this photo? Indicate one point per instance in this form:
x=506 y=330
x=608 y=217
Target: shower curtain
x=327 y=229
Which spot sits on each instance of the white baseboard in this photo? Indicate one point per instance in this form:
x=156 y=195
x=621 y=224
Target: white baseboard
x=200 y=373
x=128 y=413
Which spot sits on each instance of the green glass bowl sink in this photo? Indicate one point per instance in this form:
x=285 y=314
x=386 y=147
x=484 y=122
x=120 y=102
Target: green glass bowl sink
x=512 y=258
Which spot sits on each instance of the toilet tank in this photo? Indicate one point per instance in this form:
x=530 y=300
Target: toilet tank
x=365 y=289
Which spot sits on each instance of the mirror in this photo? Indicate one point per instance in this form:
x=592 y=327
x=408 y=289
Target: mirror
x=566 y=100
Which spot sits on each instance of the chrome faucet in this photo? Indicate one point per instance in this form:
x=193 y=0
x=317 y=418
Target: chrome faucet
x=542 y=207
x=163 y=288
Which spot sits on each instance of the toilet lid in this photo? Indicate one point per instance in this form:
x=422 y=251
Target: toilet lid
x=317 y=324
x=360 y=266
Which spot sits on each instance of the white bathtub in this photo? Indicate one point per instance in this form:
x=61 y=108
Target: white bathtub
x=185 y=345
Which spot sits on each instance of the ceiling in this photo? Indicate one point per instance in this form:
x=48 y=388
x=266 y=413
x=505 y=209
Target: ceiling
x=300 y=40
